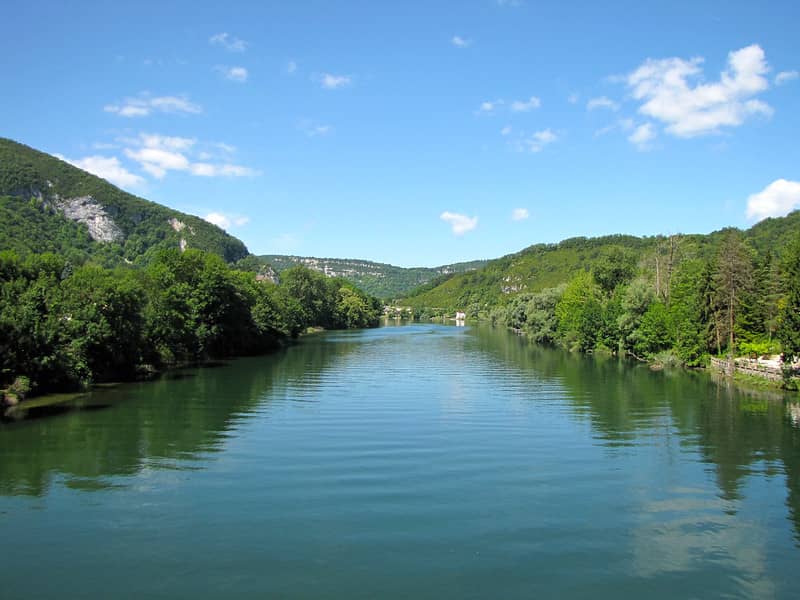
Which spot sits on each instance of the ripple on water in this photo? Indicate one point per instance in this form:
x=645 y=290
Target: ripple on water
x=421 y=461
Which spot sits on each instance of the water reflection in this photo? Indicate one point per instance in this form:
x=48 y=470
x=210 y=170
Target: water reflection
x=414 y=461
x=166 y=423
x=740 y=433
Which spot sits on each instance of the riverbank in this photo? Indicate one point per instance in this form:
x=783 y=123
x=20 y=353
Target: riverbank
x=752 y=373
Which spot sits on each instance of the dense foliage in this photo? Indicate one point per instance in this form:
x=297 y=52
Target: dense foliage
x=533 y=269
x=32 y=182
x=679 y=298
x=63 y=326
x=675 y=305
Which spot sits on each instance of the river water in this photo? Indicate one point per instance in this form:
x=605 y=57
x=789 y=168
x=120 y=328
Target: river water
x=419 y=461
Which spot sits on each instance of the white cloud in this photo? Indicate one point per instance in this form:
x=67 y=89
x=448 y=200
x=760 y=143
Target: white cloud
x=226 y=221
x=154 y=140
x=779 y=198
x=526 y=105
x=489 y=106
x=227 y=41
x=538 y=140
x=642 y=136
x=158 y=161
x=519 y=214
x=573 y=98
x=128 y=110
x=785 y=77
x=669 y=92
x=291 y=67
x=159 y=154
x=602 y=102
x=227 y=148
x=312 y=129
x=460 y=42
x=460 y=224
x=619 y=124
x=108 y=168
x=506 y=130
x=144 y=105
x=203 y=169
x=334 y=82
x=238 y=74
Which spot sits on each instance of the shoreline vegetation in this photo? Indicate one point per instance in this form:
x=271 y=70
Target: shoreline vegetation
x=688 y=301
x=64 y=328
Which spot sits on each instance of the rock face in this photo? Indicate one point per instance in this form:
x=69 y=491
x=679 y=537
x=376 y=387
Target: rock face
x=86 y=210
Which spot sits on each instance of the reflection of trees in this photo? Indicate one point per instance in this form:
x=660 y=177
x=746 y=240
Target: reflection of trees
x=736 y=431
x=164 y=423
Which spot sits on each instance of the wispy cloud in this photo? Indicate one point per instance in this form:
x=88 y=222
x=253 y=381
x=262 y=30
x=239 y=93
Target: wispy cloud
x=158 y=154
x=489 y=106
x=602 y=102
x=237 y=74
x=107 y=167
x=620 y=124
x=227 y=41
x=144 y=105
x=519 y=214
x=642 y=136
x=312 y=129
x=334 y=82
x=460 y=42
x=507 y=130
x=291 y=67
x=226 y=221
x=573 y=98
x=672 y=91
x=535 y=142
x=526 y=105
x=459 y=223
x=779 y=198
x=786 y=77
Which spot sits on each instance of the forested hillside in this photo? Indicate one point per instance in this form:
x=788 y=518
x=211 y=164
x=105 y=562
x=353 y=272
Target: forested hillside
x=48 y=205
x=679 y=298
x=97 y=284
x=379 y=279
x=63 y=326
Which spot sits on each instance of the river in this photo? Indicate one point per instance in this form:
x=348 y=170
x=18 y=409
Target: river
x=419 y=461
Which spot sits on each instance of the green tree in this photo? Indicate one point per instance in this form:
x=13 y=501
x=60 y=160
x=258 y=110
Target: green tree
x=733 y=278
x=579 y=313
x=102 y=323
x=615 y=265
x=689 y=311
x=788 y=331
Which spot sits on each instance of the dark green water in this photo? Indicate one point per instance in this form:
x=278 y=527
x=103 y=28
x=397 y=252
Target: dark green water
x=406 y=462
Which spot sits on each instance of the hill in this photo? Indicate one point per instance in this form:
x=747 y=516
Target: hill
x=543 y=266
x=378 y=279
x=48 y=205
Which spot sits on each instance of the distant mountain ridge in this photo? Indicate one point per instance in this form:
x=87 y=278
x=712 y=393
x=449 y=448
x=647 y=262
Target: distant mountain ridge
x=379 y=279
x=48 y=205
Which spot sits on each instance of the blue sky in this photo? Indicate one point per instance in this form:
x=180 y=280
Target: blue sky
x=418 y=133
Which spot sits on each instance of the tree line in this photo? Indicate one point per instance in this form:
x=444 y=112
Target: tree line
x=64 y=327
x=670 y=305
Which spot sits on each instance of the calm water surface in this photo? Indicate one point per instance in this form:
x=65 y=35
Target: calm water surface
x=406 y=462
